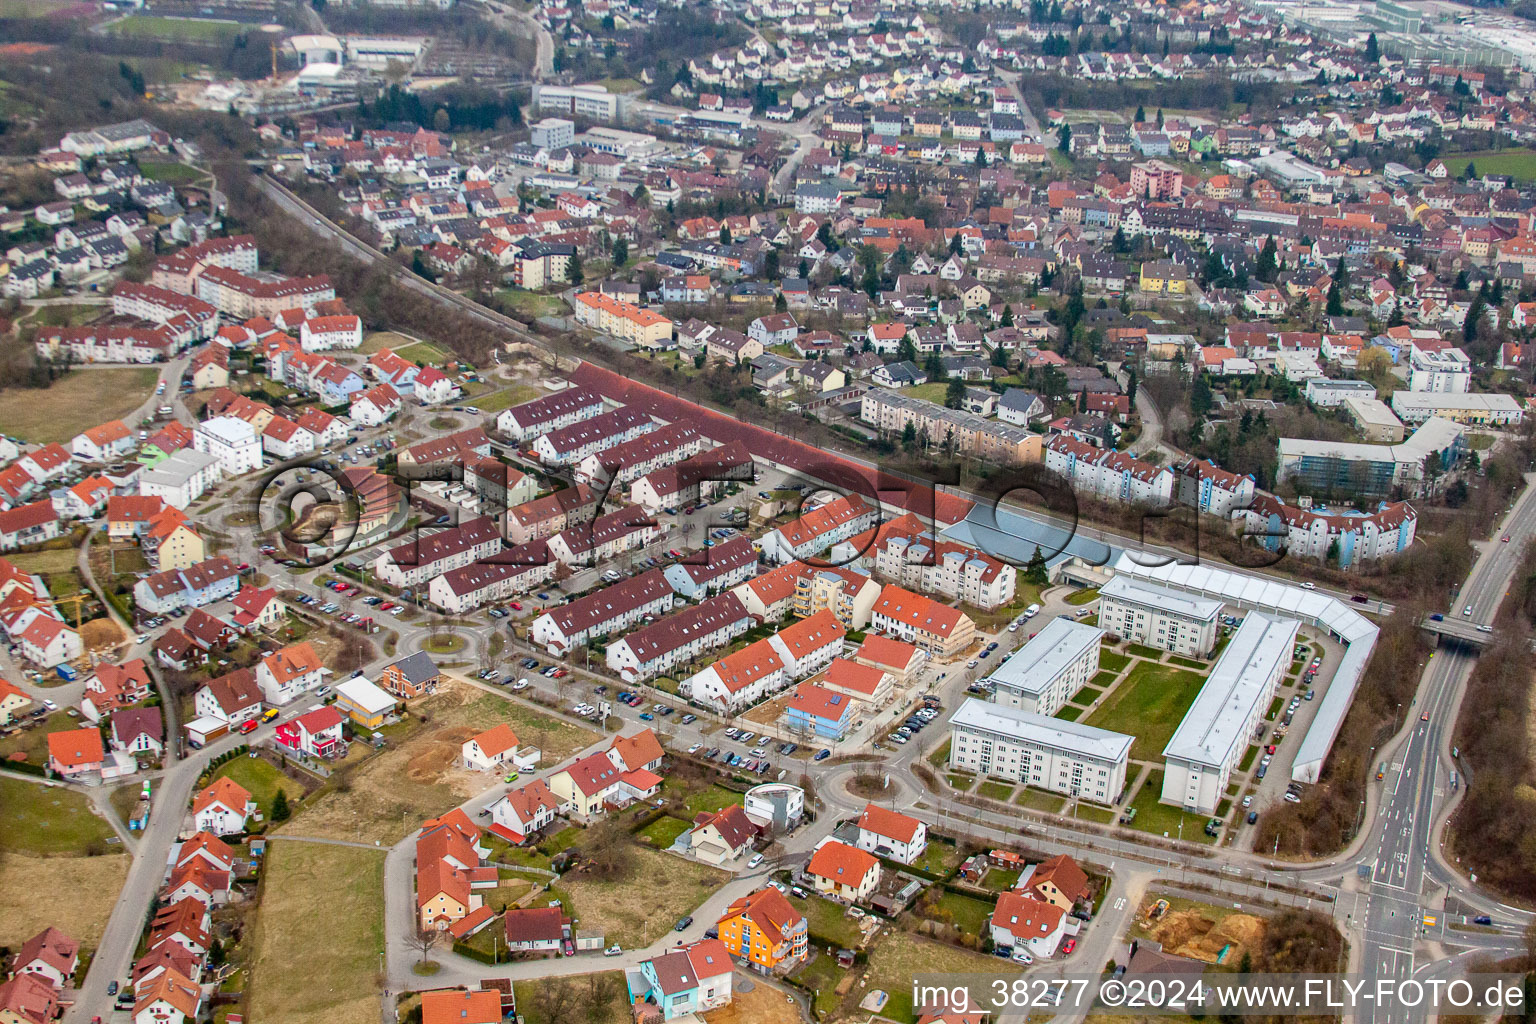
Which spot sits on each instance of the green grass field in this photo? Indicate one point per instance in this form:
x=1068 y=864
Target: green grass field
x=422 y=352
x=996 y=791
x=48 y=821
x=1069 y=713
x=1161 y=819
x=191 y=30
x=79 y=400
x=968 y=914
x=1083 y=596
x=261 y=779
x=1109 y=661
x=1148 y=705
x=663 y=832
x=507 y=397
x=1039 y=800
x=1517 y=163
x=315 y=956
x=827 y=921
x=170 y=172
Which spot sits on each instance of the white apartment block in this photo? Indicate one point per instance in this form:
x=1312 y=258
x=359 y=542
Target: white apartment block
x=1220 y=724
x=1448 y=370
x=940 y=567
x=1046 y=753
x=232 y=441
x=181 y=479
x=1107 y=474
x=1044 y=674
x=1212 y=490
x=1158 y=617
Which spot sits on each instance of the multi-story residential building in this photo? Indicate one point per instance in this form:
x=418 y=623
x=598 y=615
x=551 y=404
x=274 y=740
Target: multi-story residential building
x=569 y=445
x=234 y=442
x=653 y=450
x=1446 y=370
x=1490 y=410
x=1048 y=753
x=818 y=529
x=760 y=669
x=964 y=433
x=1107 y=474
x=715 y=569
x=938 y=629
x=1357 y=469
x=534 y=419
x=503 y=575
x=1348 y=537
x=607 y=610
x=417 y=561
x=1158 y=617
x=1212 y=490
x=678 y=639
x=905 y=552
x=289 y=673
x=606 y=537
x=1214 y=733
x=848 y=594
x=701 y=477
x=843 y=872
x=215 y=579
x=764 y=931
x=642 y=327
x=544 y=517
x=1043 y=675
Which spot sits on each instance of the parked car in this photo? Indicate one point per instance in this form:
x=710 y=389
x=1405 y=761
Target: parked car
x=822 y=754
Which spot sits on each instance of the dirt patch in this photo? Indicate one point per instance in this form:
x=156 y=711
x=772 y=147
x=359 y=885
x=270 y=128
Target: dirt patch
x=74 y=894
x=763 y=1005
x=417 y=776
x=1194 y=935
x=100 y=634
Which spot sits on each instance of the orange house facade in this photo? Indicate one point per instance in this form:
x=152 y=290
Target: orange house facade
x=764 y=931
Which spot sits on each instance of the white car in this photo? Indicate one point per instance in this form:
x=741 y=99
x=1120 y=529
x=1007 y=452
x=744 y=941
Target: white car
x=521 y=684
x=1013 y=627
x=1308 y=585
x=1021 y=956
x=757 y=859
x=613 y=950
x=142 y=638
x=50 y=705
x=695 y=748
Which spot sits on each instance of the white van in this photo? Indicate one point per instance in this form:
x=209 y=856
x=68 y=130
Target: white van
x=1031 y=611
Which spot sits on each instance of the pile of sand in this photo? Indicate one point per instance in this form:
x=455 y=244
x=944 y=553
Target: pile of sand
x=1190 y=934
x=441 y=752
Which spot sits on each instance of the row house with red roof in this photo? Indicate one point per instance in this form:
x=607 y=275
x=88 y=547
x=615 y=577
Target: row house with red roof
x=906 y=552
x=213 y=579
x=184 y=316
x=450 y=872
x=936 y=628
x=604 y=611
x=505 y=574
x=679 y=638
x=375 y=406
x=28 y=524
x=818 y=529
x=761 y=669
x=108 y=343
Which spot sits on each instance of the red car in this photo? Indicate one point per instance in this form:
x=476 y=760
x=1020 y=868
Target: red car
x=1068 y=946
x=243 y=566
x=1270 y=749
x=1505 y=538
x=248 y=726
x=515 y=606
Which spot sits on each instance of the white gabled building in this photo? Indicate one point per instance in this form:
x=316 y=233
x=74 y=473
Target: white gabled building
x=569 y=445
x=534 y=419
x=745 y=677
x=561 y=630
x=605 y=537
x=653 y=450
x=678 y=639
x=503 y=575
x=1107 y=474
x=818 y=529
x=418 y=561
x=1212 y=490
x=891 y=834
